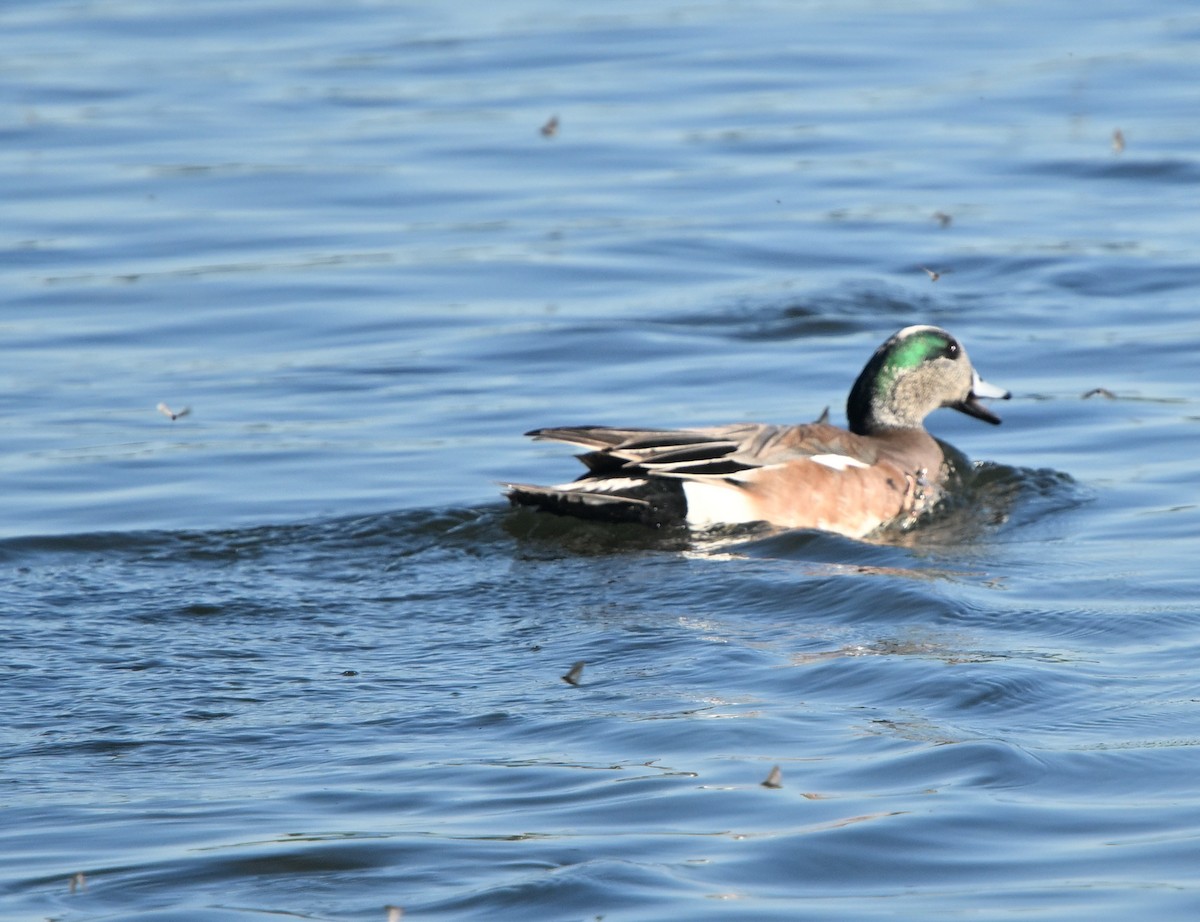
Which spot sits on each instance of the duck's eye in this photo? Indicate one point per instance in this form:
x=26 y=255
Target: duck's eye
x=951 y=351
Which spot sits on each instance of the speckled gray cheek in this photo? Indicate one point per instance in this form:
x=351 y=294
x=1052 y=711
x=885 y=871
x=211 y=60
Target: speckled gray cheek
x=916 y=389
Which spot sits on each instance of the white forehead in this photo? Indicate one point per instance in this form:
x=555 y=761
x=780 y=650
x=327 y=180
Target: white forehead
x=920 y=328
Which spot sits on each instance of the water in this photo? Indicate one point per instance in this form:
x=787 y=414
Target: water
x=291 y=656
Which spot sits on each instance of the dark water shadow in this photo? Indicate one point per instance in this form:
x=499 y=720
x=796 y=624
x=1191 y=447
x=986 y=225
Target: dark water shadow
x=349 y=538
x=545 y=535
x=1168 y=170
x=873 y=307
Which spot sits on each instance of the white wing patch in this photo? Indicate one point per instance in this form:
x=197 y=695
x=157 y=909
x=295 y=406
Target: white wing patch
x=602 y=485
x=837 y=462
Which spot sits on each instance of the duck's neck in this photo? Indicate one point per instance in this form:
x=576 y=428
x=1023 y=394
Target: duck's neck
x=863 y=407
x=874 y=405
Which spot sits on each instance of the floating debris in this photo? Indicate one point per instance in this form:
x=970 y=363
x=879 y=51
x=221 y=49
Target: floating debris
x=172 y=414
x=933 y=274
x=78 y=882
x=575 y=674
x=1099 y=392
x=550 y=129
x=945 y=220
x=393 y=913
x=774 y=779
x=1118 y=141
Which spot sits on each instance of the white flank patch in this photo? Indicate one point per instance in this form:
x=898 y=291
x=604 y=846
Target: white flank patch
x=717 y=504
x=838 y=462
x=607 y=485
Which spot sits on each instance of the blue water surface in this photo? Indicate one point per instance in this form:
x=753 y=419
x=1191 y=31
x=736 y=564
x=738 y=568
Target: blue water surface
x=291 y=655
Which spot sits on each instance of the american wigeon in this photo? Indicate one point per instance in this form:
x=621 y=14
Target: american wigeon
x=885 y=470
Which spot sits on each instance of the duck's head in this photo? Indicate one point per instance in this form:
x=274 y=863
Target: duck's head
x=915 y=372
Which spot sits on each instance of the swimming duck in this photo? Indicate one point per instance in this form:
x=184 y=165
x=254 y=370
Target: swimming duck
x=885 y=470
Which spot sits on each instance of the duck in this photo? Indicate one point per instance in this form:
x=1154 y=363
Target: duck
x=883 y=471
